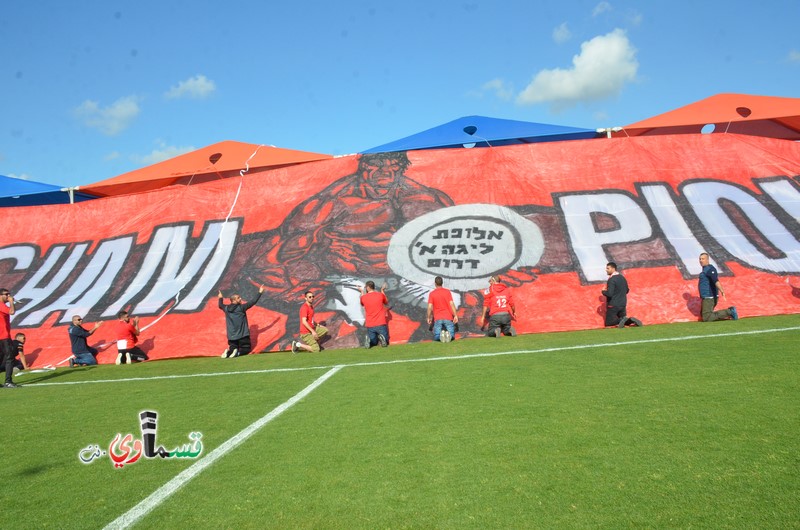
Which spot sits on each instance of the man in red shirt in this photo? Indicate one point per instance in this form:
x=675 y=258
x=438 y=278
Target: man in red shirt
x=127 y=335
x=310 y=331
x=375 y=309
x=442 y=312
x=7 y=352
x=498 y=305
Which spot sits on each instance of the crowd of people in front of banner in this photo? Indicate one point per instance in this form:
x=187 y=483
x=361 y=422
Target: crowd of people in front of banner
x=499 y=311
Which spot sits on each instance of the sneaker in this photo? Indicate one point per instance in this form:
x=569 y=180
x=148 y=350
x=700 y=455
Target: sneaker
x=72 y=362
x=623 y=322
x=444 y=336
x=234 y=353
x=128 y=358
x=294 y=346
x=119 y=358
x=367 y=344
x=734 y=313
x=497 y=333
x=10 y=385
x=512 y=332
x=382 y=341
x=225 y=353
x=636 y=322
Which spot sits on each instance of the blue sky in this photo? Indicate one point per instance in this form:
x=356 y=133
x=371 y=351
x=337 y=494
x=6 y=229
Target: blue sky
x=93 y=89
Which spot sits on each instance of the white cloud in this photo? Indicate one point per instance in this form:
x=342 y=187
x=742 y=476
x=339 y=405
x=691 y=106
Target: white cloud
x=163 y=152
x=635 y=19
x=601 y=8
x=501 y=89
x=110 y=120
x=24 y=176
x=197 y=87
x=794 y=56
x=562 y=34
x=113 y=155
x=599 y=72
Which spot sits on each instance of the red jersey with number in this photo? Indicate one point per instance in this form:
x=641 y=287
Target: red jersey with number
x=307 y=312
x=498 y=299
x=440 y=299
x=374 y=309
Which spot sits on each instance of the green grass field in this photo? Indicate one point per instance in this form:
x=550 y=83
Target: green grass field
x=674 y=426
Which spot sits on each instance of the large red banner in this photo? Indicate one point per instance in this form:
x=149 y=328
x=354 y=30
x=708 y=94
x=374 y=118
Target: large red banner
x=546 y=217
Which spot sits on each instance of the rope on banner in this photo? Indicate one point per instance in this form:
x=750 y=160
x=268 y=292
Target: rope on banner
x=164 y=313
x=242 y=173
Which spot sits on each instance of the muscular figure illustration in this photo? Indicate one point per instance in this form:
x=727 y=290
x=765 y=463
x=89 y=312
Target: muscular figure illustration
x=338 y=239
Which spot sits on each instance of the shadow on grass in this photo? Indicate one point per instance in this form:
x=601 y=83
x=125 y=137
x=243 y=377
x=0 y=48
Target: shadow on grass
x=49 y=376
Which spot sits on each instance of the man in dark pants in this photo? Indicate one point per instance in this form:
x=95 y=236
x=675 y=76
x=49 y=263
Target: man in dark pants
x=710 y=288
x=82 y=353
x=7 y=352
x=19 y=349
x=236 y=325
x=126 y=334
x=616 y=293
x=499 y=308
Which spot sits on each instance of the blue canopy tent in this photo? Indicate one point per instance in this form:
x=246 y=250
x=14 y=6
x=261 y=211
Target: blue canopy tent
x=20 y=192
x=480 y=131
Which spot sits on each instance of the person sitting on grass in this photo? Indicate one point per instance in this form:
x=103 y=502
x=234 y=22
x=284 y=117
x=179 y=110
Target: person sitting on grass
x=127 y=335
x=375 y=309
x=82 y=353
x=710 y=288
x=616 y=294
x=310 y=331
x=236 y=325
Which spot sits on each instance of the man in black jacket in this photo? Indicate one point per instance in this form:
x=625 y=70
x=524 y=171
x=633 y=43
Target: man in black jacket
x=616 y=293
x=236 y=324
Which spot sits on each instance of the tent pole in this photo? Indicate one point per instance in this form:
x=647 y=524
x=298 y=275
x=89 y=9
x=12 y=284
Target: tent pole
x=71 y=193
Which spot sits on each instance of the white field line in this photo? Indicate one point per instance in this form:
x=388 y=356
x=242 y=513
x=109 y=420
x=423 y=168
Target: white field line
x=164 y=492
x=430 y=359
x=156 y=498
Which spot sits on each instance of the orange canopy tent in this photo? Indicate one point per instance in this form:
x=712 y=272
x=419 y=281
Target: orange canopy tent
x=728 y=113
x=216 y=161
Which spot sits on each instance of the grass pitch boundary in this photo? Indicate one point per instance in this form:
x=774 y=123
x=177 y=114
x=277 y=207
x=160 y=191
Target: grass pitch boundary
x=155 y=499
x=431 y=359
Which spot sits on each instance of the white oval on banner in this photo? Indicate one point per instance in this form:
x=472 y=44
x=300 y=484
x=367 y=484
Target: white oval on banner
x=465 y=245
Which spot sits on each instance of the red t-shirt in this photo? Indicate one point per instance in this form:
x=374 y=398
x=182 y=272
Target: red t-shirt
x=306 y=311
x=125 y=331
x=5 y=322
x=373 y=303
x=440 y=298
x=498 y=299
